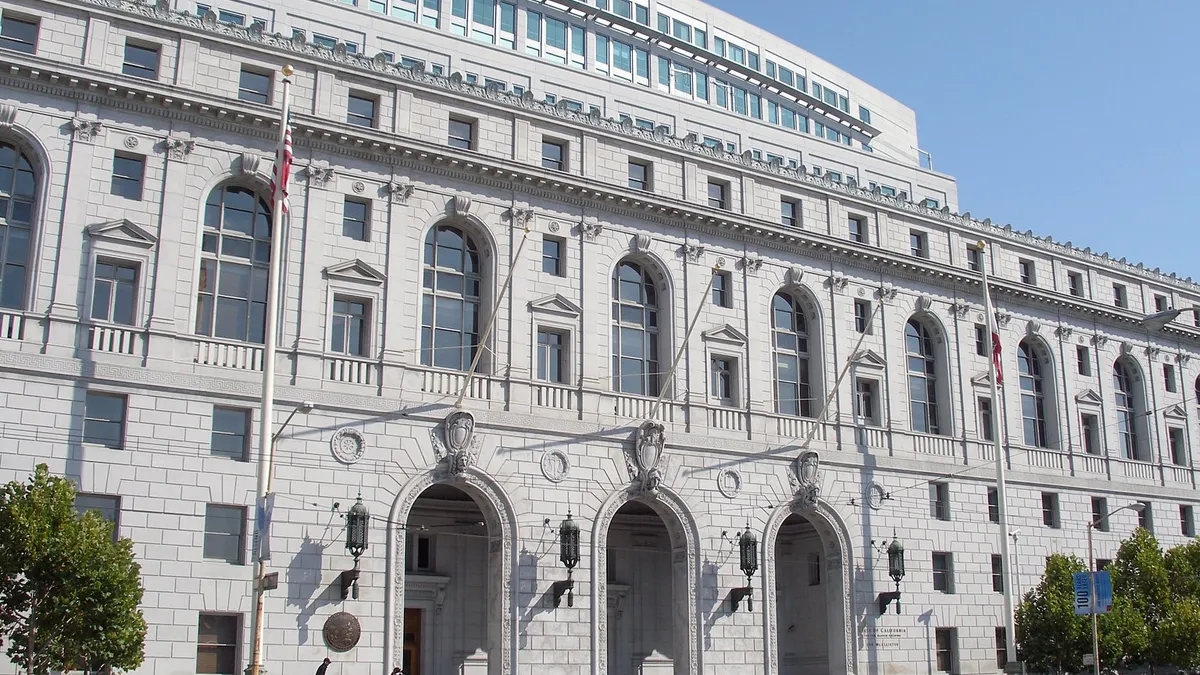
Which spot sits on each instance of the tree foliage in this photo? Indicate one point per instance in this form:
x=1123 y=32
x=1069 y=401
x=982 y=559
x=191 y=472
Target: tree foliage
x=1052 y=638
x=69 y=593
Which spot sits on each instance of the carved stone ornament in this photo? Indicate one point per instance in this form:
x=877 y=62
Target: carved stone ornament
x=1002 y=319
x=8 y=116
x=1183 y=360
x=875 y=496
x=839 y=282
x=179 y=147
x=456 y=445
x=347 y=445
x=555 y=466
x=249 y=164
x=86 y=130
x=1153 y=352
x=795 y=275
x=1100 y=341
x=1064 y=331
x=641 y=242
x=1033 y=327
x=1126 y=347
x=729 y=482
x=342 y=631
x=888 y=292
x=646 y=465
x=399 y=193
x=520 y=216
x=461 y=205
x=806 y=479
x=959 y=309
x=923 y=304
x=131 y=142
x=752 y=263
x=693 y=252
x=319 y=175
x=591 y=229
x=358 y=186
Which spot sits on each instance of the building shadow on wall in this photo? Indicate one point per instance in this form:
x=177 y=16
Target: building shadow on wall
x=710 y=582
x=304 y=588
x=926 y=619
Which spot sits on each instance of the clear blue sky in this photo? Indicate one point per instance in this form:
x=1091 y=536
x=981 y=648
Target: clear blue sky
x=1072 y=118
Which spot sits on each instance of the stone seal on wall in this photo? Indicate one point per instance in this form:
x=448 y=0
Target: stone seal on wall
x=555 y=466
x=457 y=444
x=347 y=445
x=806 y=480
x=647 y=464
x=342 y=632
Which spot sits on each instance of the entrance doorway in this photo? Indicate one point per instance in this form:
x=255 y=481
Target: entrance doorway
x=411 y=662
x=802 y=589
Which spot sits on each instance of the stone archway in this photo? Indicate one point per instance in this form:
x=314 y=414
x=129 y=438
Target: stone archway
x=500 y=519
x=837 y=569
x=685 y=540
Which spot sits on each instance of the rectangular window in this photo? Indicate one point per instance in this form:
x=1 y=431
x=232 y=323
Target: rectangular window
x=104 y=419
x=1177 y=446
x=552 y=356
x=942 y=573
x=108 y=507
x=419 y=554
x=1001 y=646
x=554 y=155
x=718 y=194
x=997 y=574
x=349 y=326
x=862 y=316
x=1102 y=564
x=1146 y=517
x=254 y=86
x=1027 y=272
x=18 y=34
x=230 y=433
x=1160 y=303
x=1091 y=434
x=789 y=212
x=865 y=403
x=1100 y=513
x=722 y=295
x=939 y=500
x=217 y=644
x=127 y=174
x=918 y=244
x=639 y=175
x=724 y=370
x=1050 y=510
x=945 y=639
x=981 y=340
x=360 y=110
x=356 y=219
x=141 y=60
x=1083 y=360
x=814 y=569
x=1075 y=284
x=1169 y=378
x=1187 y=522
x=461 y=134
x=930 y=203
x=224 y=533
x=114 y=292
x=974 y=258
x=552 y=255
x=987 y=427
x=858 y=229
x=993 y=499
x=1120 y=296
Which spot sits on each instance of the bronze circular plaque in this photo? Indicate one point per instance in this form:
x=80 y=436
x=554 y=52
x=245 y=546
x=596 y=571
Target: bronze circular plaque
x=342 y=631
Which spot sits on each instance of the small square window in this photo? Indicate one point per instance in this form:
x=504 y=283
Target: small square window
x=356 y=219
x=945 y=639
x=858 y=229
x=224 y=533
x=993 y=499
x=1169 y=378
x=862 y=316
x=254 y=86
x=724 y=377
x=639 y=175
x=943 y=575
x=461 y=134
x=1146 y=517
x=1100 y=513
x=1050 y=516
x=552 y=356
x=1027 y=272
x=128 y=173
x=348 y=326
x=718 y=194
x=814 y=569
x=18 y=33
x=106 y=506
x=722 y=289
x=1160 y=303
x=141 y=60
x=1075 y=284
x=1120 y=296
x=217 y=644
x=360 y=109
x=939 y=500
x=1187 y=521
x=114 y=292
x=789 y=212
x=981 y=340
x=554 y=155
x=553 y=249
x=419 y=553
x=1083 y=360
x=918 y=244
x=974 y=258
x=1091 y=434
x=1001 y=646
x=997 y=574
x=1177 y=445
x=104 y=419
x=230 y=433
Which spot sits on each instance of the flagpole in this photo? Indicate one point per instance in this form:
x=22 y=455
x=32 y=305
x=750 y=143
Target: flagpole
x=270 y=339
x=1010 y=632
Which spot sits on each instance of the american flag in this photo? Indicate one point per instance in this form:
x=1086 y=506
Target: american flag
x=282 y=170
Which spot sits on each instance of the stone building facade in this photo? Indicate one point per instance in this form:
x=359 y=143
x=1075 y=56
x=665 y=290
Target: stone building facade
x=519 y=286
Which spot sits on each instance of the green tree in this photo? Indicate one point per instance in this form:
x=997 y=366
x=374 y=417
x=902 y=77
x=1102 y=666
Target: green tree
x=69 y=594
x=1183 y=570
x=1051 y=638
x=1139 y=577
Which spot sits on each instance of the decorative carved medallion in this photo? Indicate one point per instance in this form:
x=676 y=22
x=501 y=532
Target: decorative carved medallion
x=752 y=263
x=875 y=496
x=647 y=464
x=555 y=465
x=693 y=252
x=179 y=147
x=347 y=445
x=461 y=205
x=591 y=229
x=8 y=116
x=131 y=142
x=729 y=482
x=358 y=186
x=457 y=445
x=86 y=130
x=553 y=226
x=319 y=175
x=342 y=632
x=806 y=479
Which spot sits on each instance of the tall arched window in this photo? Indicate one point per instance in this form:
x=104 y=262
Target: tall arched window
x=789 y=328
x=922 y=378
x=450 y=305
x=635 y=330
x=1129 y=411
x=1033 y=395
x=235 y=252
x=18 y=193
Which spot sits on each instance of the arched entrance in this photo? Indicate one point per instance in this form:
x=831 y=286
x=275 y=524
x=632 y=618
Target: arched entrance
x=807 y=568
x=451 y=556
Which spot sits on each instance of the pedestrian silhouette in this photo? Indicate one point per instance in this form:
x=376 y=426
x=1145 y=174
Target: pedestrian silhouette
x=323 y=667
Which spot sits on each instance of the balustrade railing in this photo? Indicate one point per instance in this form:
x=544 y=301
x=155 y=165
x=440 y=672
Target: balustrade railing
x=113 y=339
x=238 y=356
x=12 y=326
x=351 y=371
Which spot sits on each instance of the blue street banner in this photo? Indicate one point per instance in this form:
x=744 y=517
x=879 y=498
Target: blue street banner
x=1083 y=593
x=1104 y=593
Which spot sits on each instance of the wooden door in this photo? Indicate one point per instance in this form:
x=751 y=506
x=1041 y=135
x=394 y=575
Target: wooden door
x=412 y=642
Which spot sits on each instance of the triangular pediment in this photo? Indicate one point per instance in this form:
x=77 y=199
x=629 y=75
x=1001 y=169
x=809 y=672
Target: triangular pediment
x=122 y=231
x=867 y=358
x=1176 y=411
x=356 y=271
x=981 y=380
x=725 y=333
x=1089 y=397
x=556 y=304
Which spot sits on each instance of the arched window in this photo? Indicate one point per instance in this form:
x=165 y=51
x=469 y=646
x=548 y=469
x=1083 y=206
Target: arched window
x=235 y=252
x=635 y=330
x=450 y=304
x=922 y=378
x=789 y=328
x=18 y=194
x=1033 y=396
x=1128 y=411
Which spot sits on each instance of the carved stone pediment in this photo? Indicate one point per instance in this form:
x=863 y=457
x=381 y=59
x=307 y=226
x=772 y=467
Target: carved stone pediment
x=1175 y=412
x=356 y=271
x=981 y=380
x=727 y=334
x=1088 y=397
x=556 y=304
x=867 y=358
x=122 y=231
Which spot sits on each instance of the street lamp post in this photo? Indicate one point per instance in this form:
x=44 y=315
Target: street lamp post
x=1159 y=320
x=1136 y=506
